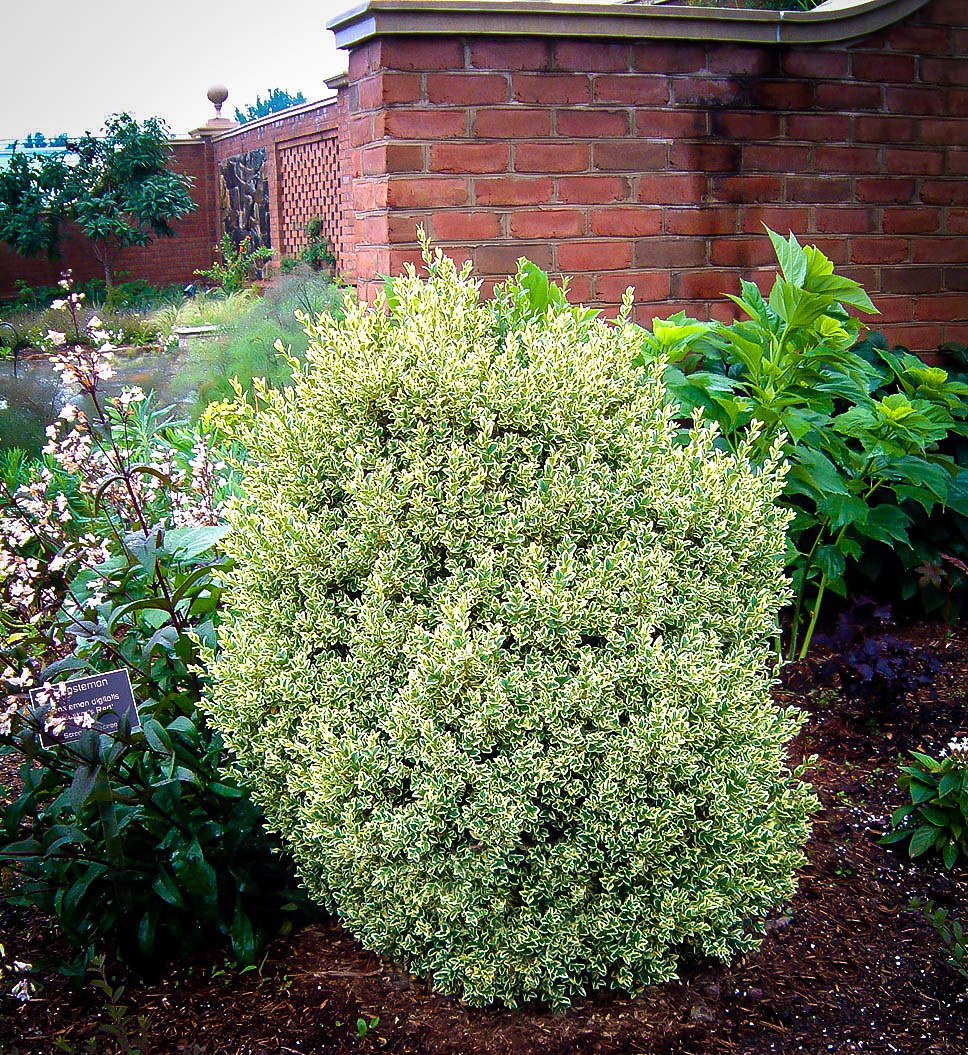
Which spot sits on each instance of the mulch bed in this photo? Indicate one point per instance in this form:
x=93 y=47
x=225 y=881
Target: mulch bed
x=846 y=967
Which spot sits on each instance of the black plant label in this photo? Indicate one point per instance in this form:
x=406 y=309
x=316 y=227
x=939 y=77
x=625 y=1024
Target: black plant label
x=97 y=701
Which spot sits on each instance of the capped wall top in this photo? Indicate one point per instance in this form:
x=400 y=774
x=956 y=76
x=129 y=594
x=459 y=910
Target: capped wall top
x=832 y=21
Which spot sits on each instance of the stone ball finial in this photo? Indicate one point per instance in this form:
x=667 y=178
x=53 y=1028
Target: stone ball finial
x=217 y=95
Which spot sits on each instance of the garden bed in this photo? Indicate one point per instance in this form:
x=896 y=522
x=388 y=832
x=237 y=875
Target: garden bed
x=847 y=968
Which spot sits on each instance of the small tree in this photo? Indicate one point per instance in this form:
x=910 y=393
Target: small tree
x=277 y=99
x=117 y=187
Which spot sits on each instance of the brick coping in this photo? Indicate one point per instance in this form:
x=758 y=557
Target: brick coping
x=834 y=21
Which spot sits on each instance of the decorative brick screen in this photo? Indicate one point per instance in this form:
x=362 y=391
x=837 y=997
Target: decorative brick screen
x=308 y=186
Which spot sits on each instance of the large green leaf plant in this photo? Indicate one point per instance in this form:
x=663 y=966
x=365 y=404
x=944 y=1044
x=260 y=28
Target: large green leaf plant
x=863 y=432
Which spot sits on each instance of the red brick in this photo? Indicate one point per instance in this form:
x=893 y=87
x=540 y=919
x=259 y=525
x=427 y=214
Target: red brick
x=832 y=246
x=421 y=53
x=955 y=278
x=830 y=220
x=387 y=88
x=392 y=157
x=702 y=221
x=703 y=285
x=468 y=89
x=585 y=56
x=361 y=130
x=469 y=157
x=708 y=91
x=911 y=280
x=668 y=58
x=401 y=227
x=594 y=256
x=399 y=258
x=775 y=157
x=931 y=40
x=425 y=124
x=884 y=190
x=914 y=161
x=551 y=157
x=945 y=192
x=944 y=71
x=742 y=125
x=683 y=188
x=845 y=159
x=957 y=221
x=547 y=223
x=579 y=289
x=550 y=88
x=918 y=337
x=669 y=124
x=593 y=190
x=741 y=252
x=630 y=221
x=942 y=307
x=361 y=61
x=511 y=54
x=746 y=189
x=705 y=157
x=636 y=89
x=512 y=123
x=823 y=128
x=957 y=162
x=670 y=252
x=783 y=94
x=465 y=226
x=426 y=192
x=593 y=123
x=811 y=62
x=741 y=60
x=879 y=250
x=893 y=309
x=914 y=100
x=846 y=97
x=503 y=259
x=884 y=129
x=780 y=218
x=883 y=69
x=513 y=190
x=630 y=155
x=950 y=132
x=945 y=249
x=646 y=285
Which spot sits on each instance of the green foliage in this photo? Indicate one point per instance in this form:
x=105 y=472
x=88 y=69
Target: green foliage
x=32 y=191
x=139 y=843
x=863 y=434
x=276 y=99
x=936 y=820
x=496 y=653
x=318 y=254
x=116 y=186
x=951 y=932
x=238 y=266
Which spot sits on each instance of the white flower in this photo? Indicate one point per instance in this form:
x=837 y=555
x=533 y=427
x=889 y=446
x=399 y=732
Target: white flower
x=56 y=305
x=56 y=337
x=94 y=323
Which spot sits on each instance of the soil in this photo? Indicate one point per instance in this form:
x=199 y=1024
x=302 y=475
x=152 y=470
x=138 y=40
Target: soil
x=846 y=967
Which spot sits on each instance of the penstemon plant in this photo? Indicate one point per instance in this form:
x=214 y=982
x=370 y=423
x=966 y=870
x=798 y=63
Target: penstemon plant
x=138 y=841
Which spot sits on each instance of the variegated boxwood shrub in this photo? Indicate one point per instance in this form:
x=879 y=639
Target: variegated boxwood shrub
x=495 y=657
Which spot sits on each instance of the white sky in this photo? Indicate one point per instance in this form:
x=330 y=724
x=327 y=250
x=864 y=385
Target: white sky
x=65 y=65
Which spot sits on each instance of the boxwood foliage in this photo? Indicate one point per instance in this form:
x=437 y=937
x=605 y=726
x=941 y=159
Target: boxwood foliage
x=496 y=654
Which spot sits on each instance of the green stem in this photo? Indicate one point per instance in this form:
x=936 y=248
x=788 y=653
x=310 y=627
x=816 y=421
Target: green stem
x=813 y=618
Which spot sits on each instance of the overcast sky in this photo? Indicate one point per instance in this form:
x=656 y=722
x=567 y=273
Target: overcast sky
x=66 y=65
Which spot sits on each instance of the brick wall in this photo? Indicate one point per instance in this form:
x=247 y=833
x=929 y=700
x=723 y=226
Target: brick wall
x=164 y=261
x=655 y=165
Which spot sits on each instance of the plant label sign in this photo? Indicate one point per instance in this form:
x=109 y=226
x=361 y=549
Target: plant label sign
x=97 y=701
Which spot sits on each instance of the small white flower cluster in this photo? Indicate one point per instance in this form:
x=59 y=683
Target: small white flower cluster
x=17 y=970
x=957 y=750
x=195 y=498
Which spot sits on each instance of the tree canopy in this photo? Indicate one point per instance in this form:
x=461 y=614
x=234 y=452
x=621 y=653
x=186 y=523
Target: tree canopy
x=277 y=99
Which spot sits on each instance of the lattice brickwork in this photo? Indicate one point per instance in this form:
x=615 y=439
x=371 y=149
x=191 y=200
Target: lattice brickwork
x=308 y=186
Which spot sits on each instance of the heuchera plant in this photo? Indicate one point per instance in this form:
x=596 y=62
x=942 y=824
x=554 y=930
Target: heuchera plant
x=137 y=842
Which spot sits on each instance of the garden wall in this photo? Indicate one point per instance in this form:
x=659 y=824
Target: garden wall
x=164 y=261
x=654 y=163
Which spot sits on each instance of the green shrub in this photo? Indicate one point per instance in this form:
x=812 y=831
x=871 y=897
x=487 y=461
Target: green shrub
x=495 y=650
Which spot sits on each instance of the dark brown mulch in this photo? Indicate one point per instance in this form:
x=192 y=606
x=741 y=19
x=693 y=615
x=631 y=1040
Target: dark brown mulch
x=845 y=968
